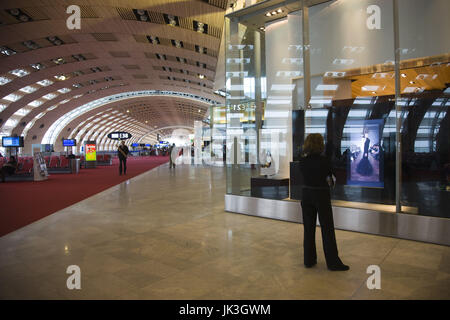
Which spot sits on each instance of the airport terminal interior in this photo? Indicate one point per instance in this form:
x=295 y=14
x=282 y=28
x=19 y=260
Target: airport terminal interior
x=153 y=149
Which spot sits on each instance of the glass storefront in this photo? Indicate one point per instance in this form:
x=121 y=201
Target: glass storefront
x=371 y=76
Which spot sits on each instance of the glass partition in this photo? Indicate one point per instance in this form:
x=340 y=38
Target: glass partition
x=246 y=93
x=352 y=96
x=424 y=49
x=329 y=67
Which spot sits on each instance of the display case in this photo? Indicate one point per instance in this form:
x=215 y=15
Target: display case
x=370 y=76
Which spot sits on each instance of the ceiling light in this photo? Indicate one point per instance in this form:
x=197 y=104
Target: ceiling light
x=403 y=75
x=7 y=51
x=177 y=43
x=28 y=89
x=19 y=72
x=411 y=82
x=49 y=96
x=201 y=76
x=4 y=80
x=44 y=82
x=37 y=66
x=35 y=103
x=268 y=14
x=79 y=57
x=59 y=61
x=161 y=56
x=153 y=40
x=64 y=90
x=30 y=45
x=14 y=12
x=12 y=97
x=279 y=11
x=200 y=27
x=172 y=20
x=274 y=13
x=61 y=77
x=55 y=40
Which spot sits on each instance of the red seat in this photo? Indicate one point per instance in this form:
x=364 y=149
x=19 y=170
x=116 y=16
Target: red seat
x=54 y=162
x=100 y=157
x=46 y=160
x=26 y=167
x=107 y=158
x=64 y=162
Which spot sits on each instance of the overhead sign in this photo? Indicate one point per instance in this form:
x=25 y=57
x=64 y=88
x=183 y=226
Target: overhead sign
x=119 y=135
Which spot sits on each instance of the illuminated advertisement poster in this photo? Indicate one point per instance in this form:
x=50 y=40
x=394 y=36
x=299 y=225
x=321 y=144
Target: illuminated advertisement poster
x=91 y=152
x=365 y=156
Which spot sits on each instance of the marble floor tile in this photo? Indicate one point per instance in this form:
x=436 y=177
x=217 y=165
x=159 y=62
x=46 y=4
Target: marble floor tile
x=165 y=235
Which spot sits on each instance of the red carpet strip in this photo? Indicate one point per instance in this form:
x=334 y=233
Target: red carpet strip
x=24 y=202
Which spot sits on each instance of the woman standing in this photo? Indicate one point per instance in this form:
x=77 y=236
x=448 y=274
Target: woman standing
x=316 y=169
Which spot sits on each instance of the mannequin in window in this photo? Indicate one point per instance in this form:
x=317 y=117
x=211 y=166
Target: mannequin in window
x=364 y=167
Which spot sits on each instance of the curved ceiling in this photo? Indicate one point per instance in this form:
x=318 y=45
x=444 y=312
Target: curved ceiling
x=47 y=70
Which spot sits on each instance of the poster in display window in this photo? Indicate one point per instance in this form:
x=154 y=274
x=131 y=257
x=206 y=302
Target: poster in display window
x=91 y=152
x=365 y=155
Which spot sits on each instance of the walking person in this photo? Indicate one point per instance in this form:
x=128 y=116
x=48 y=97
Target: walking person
x=317 y=176
x=122 y=152
x=171 y=161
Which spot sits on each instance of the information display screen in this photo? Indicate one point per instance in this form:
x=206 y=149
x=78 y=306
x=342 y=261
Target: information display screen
x=91 y=152
x=12 y=141
x=69 y=142
x=135 y=144
x=365 y=157
x=119 y=135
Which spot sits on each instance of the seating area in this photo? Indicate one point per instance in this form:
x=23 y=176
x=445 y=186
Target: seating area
x=102 y=160
x=24 y=170
x=57 y=164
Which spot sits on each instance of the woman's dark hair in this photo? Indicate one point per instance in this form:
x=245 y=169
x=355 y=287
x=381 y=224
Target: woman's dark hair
x=313 y=144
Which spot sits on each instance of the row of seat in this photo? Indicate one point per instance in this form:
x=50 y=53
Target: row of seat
x=53 y=162
x=106 y=158
x=24 y=164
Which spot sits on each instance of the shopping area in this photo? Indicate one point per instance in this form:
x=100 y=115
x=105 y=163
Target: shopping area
x=230 y=90
x=45 y=161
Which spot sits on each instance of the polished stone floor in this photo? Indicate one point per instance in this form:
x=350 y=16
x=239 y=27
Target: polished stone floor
x=165 y=235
